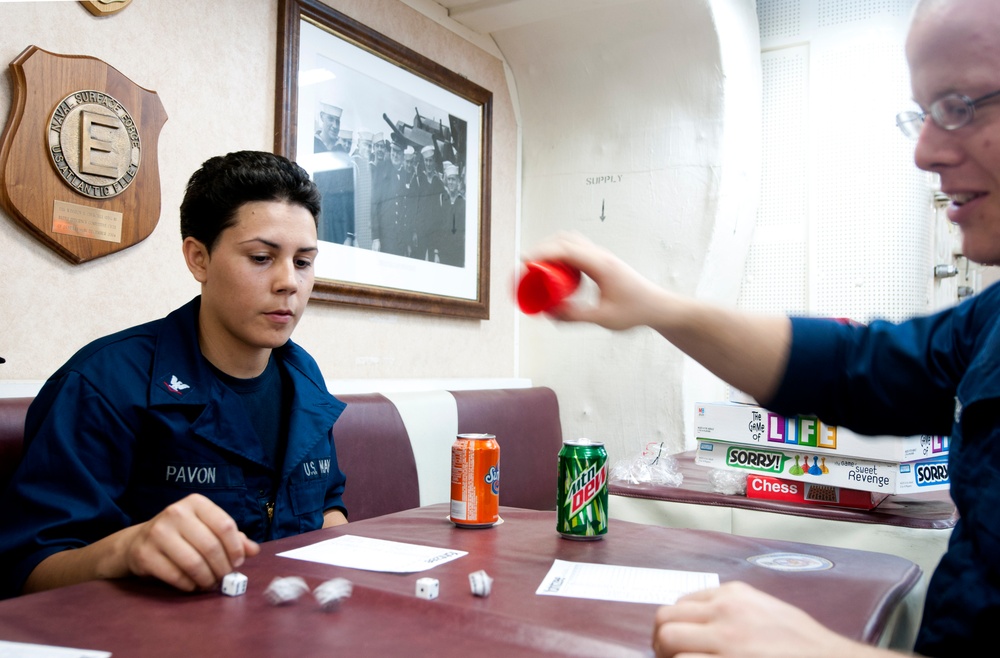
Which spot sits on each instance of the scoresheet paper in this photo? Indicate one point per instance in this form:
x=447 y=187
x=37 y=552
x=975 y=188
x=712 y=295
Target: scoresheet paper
x=374 y=554
x=607 y=582
x=21 y=650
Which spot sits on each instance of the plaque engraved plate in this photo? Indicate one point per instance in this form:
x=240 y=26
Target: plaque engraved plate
x=94 y=144
x=86 y=222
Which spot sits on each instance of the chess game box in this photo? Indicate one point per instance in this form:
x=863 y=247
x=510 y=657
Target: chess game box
x=765 y=487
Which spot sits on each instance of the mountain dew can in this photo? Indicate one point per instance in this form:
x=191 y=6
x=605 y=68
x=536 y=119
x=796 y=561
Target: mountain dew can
x=582 y=499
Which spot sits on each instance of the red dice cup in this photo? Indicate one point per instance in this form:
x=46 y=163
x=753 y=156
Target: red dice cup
x=545 y=284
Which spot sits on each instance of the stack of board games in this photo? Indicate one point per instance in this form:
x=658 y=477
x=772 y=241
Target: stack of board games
x=802 y=458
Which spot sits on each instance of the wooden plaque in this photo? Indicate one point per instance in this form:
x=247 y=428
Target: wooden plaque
x=105 y=7
x=78 y=161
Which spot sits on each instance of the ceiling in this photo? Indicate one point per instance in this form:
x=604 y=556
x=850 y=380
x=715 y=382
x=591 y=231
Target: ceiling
x=492 y=16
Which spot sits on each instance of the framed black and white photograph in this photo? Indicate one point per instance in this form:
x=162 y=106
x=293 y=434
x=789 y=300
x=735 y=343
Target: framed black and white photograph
x=399 y=148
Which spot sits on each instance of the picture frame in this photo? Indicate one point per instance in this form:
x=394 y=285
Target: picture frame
x=411 y=235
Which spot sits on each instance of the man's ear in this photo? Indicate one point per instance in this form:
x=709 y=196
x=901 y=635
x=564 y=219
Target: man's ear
x=196 y=256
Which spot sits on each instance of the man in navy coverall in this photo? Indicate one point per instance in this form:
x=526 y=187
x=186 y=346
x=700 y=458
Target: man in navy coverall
x=170 y=449
x=932 y=375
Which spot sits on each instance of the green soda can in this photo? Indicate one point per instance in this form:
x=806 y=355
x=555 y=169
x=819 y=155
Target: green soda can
x=582 y=499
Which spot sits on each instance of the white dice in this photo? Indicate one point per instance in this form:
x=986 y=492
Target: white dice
x=234 y=584
x=332 y=592
x=427 y=588
x=480 y=583
x=285 y=590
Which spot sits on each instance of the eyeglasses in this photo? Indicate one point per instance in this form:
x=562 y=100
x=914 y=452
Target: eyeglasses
x=949 y=112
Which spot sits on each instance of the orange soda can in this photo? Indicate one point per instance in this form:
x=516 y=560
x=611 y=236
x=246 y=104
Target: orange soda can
x=475 y=481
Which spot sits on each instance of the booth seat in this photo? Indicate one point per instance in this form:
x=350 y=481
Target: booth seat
x=395 y=448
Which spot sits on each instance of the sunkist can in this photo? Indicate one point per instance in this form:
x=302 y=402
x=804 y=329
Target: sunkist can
x=475 y=481
x=582 y=498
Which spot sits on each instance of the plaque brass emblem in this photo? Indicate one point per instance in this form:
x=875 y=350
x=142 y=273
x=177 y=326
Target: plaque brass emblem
x=94 y=144
x=78 y=164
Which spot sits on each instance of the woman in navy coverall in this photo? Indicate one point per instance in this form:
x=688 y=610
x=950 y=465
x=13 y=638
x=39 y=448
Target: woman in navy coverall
x=170 y=449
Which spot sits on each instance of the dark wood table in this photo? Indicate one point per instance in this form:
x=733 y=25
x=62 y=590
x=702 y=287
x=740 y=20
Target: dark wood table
x=855 y=597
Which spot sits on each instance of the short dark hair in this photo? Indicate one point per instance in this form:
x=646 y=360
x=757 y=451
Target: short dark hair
x=224 y=183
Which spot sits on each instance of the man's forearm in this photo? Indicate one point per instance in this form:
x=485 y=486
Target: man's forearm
x=748 y=351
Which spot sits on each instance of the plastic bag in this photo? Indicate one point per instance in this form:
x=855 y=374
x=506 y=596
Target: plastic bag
x=652 y=466
x=725 y=481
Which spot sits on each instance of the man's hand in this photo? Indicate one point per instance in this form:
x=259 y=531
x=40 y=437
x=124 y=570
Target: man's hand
x=626 y=297
x=738 y=621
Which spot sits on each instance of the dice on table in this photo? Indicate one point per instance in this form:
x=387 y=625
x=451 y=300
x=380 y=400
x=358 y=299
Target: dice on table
x=480 y=583
x=332 y=592
x=234 y=584
x=285 y=590
x=427 y=588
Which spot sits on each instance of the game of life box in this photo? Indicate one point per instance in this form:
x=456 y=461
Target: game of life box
x=735 y=422
x=765 y=487
x=817 y=467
